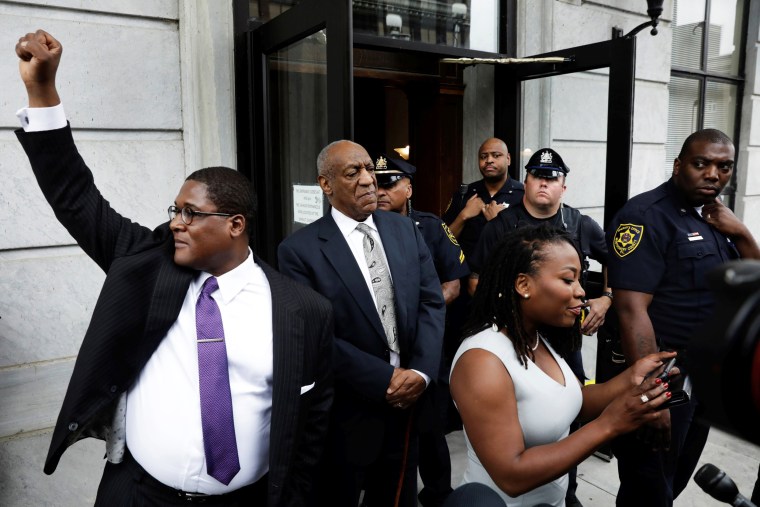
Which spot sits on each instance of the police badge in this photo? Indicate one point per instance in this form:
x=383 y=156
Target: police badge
x=627 y=238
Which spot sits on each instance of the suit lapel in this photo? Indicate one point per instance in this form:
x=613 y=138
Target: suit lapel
x=338 y=254
x=171 y=286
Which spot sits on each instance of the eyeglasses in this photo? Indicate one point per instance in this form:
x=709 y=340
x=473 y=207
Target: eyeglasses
x=188 y=214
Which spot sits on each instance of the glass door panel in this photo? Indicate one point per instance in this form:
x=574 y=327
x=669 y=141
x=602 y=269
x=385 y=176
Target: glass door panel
x=552 y=110
x=302 y=99
x=298 y=101
x=543 y=104
x=470 y=24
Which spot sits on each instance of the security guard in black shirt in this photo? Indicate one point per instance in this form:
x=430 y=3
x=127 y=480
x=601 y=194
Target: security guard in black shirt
x=662 y=245
x=394 y=192
x=477 y=203
x=542 y=202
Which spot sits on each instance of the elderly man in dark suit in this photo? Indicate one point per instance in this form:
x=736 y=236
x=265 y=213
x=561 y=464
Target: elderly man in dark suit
x=211 y=367
x=389 y=315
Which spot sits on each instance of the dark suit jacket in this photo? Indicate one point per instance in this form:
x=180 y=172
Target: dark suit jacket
x=140 y=300
x=320 y=257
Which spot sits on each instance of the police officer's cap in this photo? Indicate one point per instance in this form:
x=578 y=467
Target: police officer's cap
x=546 y=163
x=389 y=170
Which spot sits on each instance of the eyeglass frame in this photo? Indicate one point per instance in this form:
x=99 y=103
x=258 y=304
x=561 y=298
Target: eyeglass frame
x=174 y=210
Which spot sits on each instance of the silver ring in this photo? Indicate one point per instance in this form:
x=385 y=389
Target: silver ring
x=644 y=398
x=399 y=405
x=708 y=216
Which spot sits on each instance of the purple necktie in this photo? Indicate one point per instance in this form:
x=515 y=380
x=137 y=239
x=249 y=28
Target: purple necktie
x=216 y=400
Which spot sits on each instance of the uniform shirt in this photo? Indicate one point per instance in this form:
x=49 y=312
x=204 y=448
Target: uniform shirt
x=447 y=255
x=660 y=245
x=510 y=193
x=591 y=242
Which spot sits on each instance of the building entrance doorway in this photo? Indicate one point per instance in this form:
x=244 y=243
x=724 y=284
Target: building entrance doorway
x=308 y=79
x=417 y=119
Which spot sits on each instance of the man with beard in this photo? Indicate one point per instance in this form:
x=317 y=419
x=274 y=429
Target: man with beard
x=662 y=245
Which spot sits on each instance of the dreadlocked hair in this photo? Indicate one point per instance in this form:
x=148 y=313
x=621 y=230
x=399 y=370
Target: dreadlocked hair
x=497 y=303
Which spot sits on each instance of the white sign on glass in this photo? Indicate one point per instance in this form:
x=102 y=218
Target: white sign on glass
x=307 y=203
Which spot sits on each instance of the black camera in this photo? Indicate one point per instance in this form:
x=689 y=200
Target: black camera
x=724 y=355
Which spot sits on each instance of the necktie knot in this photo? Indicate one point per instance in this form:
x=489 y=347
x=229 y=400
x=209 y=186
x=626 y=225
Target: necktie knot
x=209 y=286
x=367 y=231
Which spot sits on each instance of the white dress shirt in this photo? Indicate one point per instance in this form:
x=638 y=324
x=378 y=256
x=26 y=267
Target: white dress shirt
x=163 y=407
x=355 y=240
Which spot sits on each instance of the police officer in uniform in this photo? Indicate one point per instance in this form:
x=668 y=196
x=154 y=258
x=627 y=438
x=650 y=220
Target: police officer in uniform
x=394 y=192
x=477 y=203
x=542 y=202
x=468 y=212
x=394 y=181
x=662 y=245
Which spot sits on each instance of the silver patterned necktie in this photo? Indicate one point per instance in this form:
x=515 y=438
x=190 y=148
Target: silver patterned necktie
x=381 y=285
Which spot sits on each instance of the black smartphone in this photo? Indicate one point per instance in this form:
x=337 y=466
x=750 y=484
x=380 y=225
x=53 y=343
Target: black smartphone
x=678 y=385
x=680 y=391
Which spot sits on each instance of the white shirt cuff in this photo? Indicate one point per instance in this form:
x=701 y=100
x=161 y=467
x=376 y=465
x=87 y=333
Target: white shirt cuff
x=38 y=119
x=427 y=379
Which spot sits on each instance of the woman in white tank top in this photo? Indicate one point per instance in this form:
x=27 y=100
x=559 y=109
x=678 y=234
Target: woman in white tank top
x=515 y=393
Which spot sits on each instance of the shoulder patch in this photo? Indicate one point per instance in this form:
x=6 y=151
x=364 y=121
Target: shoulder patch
x=450 y=234
x=627 y=238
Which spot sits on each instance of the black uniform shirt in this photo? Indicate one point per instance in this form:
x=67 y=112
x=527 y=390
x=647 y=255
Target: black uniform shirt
x=447 y=255
x=660 y=245
x=590 y=242
x=510 y=193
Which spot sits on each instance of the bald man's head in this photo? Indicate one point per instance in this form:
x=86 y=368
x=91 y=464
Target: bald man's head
x=493 y=160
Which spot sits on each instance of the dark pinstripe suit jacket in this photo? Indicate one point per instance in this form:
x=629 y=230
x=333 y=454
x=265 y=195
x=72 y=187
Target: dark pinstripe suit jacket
x=140 y=300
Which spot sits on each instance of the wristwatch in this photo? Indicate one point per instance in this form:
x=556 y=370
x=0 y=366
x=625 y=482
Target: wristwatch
x=608 y=294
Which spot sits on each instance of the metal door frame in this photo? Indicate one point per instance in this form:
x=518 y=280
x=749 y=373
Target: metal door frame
x=619 y=55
